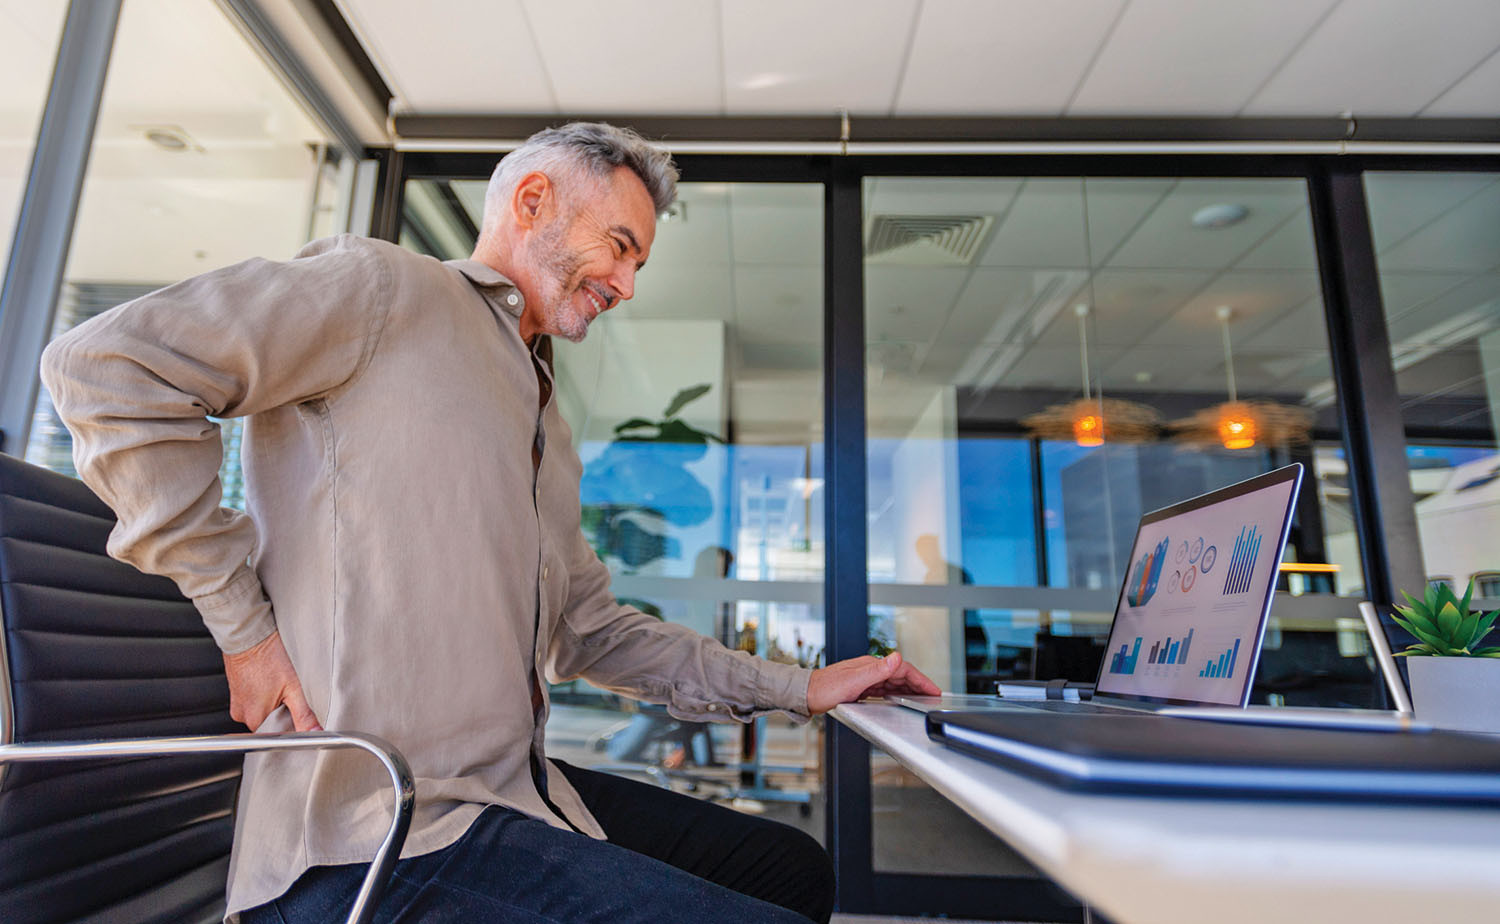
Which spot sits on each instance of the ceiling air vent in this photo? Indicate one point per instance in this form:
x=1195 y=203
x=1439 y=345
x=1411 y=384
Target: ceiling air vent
x=926 y=240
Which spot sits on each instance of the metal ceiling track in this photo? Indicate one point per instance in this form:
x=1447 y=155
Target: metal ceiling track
x=838 y=133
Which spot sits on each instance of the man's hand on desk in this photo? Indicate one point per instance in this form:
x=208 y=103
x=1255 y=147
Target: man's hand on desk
x=856 y=678
x=262 y=678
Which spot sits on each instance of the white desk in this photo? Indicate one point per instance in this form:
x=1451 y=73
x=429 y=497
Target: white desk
x=1143 y=860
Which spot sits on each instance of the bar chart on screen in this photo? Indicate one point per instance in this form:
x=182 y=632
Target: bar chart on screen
x=1164 y=652
x=1223 y=667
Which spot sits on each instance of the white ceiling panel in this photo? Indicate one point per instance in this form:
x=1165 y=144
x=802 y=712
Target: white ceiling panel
x=1402 y=293
x=585 y=44
x=1011 y=57
x=1117 y=208
x=1300 y=328
x=938 y=196
x=28 y=47
x=1047 y=367
x=1451 y=316
x=1187 y=57
x=1402 y=203
x=779 y=304
x=1044 y=227
x=777 y=224
x=479 y=57
x=1474 y=96
x=1382 y=58
x=997 y=305
x=1289 y=247
x=909 y=303
x=1162 y=368
x=1256 y=302
x=940 y=362
x=703 y=293
x=791 y=56
x=701 y=238
x=1168 y=238
x=1128 y=305
x=1467 y=237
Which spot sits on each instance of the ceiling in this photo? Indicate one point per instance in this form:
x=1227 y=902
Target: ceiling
x=1388 y=58
x=751 y=255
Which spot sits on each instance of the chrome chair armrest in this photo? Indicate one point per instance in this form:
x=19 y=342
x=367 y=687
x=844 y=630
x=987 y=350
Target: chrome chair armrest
x=394 y=763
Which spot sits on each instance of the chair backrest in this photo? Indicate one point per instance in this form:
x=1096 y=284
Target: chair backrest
x=93 y=648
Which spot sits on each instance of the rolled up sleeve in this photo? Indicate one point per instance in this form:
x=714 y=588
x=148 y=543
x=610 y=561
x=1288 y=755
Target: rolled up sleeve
x=626 y=651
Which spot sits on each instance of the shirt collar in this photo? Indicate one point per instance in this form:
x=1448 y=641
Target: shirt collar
x=487 y=277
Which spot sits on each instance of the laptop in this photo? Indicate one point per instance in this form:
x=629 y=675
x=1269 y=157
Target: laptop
x=1191 y=613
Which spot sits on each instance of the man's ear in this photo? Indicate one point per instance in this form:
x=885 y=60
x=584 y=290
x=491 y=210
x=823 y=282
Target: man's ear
x=535 y=197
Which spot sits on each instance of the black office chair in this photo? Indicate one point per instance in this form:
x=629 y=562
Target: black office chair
x=97 y=662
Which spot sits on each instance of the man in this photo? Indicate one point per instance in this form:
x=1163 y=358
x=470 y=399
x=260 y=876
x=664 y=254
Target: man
x=411 y=563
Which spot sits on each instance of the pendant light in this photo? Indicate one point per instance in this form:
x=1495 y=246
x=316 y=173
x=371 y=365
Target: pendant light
x=1236 y=424
x=1093 y=419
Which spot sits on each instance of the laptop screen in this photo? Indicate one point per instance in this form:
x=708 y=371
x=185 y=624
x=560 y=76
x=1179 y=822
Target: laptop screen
x=1198 y=585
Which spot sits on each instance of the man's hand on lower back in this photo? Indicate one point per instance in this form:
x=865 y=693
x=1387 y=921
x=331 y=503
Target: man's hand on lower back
x=262 y=678
x=856 y=678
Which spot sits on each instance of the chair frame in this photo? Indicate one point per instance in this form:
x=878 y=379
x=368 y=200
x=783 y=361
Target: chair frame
x=395 y=765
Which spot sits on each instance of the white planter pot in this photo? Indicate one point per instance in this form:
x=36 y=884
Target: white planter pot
x=1457 y=693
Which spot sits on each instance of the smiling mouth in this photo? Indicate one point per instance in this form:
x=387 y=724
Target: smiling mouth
x=601 y=304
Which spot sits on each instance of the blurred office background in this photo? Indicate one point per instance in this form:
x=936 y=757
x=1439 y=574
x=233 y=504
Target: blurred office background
x=918 y=244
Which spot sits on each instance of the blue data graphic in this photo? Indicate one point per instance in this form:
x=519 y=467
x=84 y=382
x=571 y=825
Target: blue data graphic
x=1164 y=652
x=1242 y=561
x=1122 y=663
x=1146 y=574
x=1224 y=666
x=1170 y=650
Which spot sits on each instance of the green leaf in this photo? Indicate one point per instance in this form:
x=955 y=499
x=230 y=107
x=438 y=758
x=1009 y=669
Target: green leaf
x=1411 y=600
x=1448 y=620
x=1468 y=597
x=685 y=396
x=1439 y=644
x=634 y=423
x=1465 y=634
x=1486 y=622
x=1491 y=652
x=1406 y=624
x=1431 y=598
x=1446 y=596
x=1417 y=621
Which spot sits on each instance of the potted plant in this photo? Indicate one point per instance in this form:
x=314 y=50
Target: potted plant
x=1455 y=679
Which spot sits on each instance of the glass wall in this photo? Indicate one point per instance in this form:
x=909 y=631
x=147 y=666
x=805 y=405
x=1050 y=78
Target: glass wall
x=1051 y=357
x=29 y=35
x=1437 y=245
x=696 y=409
x=201 y=158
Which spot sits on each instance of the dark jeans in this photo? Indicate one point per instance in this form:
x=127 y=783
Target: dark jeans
x=669 y=858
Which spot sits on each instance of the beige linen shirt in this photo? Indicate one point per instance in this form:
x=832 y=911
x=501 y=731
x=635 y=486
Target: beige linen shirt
x=418 y=567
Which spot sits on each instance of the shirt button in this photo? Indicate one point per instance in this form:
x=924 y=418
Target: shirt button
x=545 y=572
x=512 y=299
x=713 y=707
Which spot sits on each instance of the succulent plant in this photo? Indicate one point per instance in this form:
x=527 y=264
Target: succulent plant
x=1444 y=626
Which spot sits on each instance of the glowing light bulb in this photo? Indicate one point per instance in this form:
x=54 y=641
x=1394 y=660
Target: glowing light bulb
x=1237 y=427
x=1088 y=430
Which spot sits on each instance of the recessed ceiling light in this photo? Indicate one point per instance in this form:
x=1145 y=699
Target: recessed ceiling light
x=766 y=80
x=169 y=137
x=1221 y=215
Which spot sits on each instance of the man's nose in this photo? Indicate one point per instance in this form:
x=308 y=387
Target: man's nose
x=624 y=280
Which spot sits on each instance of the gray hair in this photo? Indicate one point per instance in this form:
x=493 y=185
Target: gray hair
x=581 y=151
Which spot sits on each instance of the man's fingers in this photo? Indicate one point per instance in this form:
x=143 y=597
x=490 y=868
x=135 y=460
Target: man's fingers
x=914 y=680
x=302 y=714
